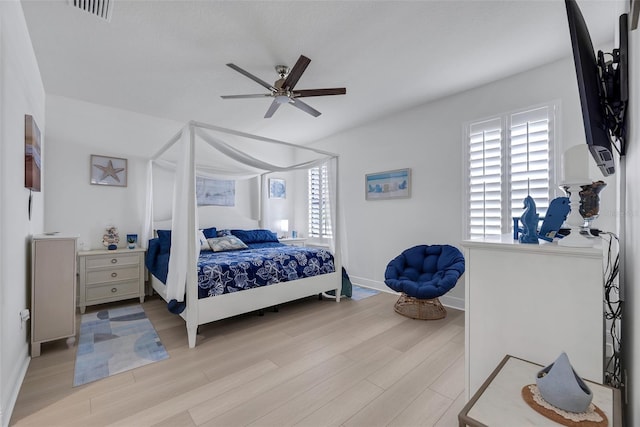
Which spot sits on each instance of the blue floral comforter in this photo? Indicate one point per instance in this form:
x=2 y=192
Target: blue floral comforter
x=224 y=272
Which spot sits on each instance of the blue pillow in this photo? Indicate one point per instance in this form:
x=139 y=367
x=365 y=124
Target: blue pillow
x=255 y=236
x=210 y=232
x=165 y=240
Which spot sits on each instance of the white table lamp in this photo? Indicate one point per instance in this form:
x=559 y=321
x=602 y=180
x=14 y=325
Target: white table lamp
x=284 y=227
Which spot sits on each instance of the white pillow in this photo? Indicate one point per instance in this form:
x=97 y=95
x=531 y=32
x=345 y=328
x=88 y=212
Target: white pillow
x=204 y=244
x=226 y=243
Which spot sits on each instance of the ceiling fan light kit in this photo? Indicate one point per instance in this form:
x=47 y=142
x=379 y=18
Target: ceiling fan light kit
x=282 y=91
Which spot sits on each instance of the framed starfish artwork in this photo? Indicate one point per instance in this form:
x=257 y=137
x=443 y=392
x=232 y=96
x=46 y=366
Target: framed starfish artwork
x=108 y=171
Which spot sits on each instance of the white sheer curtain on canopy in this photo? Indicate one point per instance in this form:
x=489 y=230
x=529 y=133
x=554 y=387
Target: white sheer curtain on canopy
x=210 y=151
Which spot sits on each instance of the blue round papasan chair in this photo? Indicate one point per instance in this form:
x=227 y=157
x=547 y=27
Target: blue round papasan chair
x=422 y=274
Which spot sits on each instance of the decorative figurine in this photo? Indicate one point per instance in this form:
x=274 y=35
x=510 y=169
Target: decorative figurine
x=529 y=221
x=562 y=387
x=110 y=239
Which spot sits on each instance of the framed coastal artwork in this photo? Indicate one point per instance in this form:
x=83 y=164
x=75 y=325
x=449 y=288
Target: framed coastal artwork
x=395 y=184
x=32 y=154
x=277 y=188
x=215 y=192
x=108 y=171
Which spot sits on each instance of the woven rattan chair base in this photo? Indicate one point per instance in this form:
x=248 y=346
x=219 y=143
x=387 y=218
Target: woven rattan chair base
x=423 y=309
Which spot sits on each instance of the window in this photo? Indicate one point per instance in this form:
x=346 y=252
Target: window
x=509 y=157
x=319 y=210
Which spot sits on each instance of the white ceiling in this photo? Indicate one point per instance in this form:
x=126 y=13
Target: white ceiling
x=167 y=58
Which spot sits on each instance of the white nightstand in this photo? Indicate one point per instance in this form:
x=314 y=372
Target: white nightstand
x=293 y=241
x=107 y=276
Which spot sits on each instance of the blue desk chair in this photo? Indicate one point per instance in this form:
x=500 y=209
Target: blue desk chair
x=422 y=274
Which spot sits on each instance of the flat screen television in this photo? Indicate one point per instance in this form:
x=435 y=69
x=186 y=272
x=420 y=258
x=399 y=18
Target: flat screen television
x=602 y=88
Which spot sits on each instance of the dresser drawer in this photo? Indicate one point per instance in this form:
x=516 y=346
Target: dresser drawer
x=116 y=291
x=112 y=275
x=115 y=260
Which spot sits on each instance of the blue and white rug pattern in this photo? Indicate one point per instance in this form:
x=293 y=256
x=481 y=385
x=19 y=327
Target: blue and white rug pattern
x=114 y=341
x=358 y=292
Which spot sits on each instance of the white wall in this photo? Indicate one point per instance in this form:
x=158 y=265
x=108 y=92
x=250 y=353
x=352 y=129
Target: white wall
x=429 y=140
x=21 y=92
x=77 y=129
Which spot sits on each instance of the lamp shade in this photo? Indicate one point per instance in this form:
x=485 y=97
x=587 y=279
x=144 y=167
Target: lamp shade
x=284 y=225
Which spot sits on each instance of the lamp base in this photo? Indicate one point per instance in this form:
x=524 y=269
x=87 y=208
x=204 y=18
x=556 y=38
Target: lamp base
x=574 y=219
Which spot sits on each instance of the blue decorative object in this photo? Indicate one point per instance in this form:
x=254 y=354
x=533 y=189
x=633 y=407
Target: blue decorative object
x=554 y=218
x=559 y=385
x=132 y=240
x=529 y=221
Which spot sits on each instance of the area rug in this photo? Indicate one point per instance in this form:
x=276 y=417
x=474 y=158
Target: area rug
x=358 y=292
x=114 y=341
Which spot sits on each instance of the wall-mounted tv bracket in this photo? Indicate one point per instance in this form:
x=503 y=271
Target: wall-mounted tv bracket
x=614 y=88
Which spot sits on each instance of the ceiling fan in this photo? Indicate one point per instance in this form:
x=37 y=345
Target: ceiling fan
x=282 y=91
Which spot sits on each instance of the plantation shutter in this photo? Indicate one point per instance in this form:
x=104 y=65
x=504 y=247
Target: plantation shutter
x=485 y=178
x=530 y=160
x=319 y=213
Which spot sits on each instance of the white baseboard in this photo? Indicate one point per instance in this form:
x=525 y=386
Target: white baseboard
x=446 y=300
x=453 y=302
x=372 y=284
x=6 y=411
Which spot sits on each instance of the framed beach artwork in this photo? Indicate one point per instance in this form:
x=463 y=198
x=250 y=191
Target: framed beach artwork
x=32 y=154
x=277 y=188
x=395 y=184
x=108 y=171
x=215 y=192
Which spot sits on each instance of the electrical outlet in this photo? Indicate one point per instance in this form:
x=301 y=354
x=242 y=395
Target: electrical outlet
x=25 y=315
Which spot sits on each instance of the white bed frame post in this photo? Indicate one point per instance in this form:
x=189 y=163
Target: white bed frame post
x=192 y=271
x=337 y=252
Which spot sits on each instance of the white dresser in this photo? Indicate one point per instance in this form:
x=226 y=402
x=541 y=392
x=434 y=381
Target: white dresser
x=532 y=302
x=53 y=289
x=107 y=276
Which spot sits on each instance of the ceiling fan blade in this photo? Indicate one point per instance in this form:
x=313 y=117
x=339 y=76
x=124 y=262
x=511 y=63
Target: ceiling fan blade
x=255 y=95
x=304 y=107
x=252 y=77
x=319 y=92
x=296 y=72
x=272 y=109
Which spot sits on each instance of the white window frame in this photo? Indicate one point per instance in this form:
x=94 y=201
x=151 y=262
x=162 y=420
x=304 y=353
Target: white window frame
x=324 y=230
x=508 y=207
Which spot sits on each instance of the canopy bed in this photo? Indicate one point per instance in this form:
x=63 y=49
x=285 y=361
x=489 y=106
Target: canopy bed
x=261 y=274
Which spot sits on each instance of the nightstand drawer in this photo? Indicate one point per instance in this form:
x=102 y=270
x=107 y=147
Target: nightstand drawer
x=112 y=275
x=115 y=260
x=116 y=291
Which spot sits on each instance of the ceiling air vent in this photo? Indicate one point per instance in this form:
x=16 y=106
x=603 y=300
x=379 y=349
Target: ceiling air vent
x=100 y=8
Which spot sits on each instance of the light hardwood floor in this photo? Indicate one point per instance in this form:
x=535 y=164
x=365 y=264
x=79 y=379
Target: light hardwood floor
x=313 y=363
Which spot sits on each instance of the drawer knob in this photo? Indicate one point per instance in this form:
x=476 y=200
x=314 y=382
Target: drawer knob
x=114 y=274
x=114 y=260
x=114 y=290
